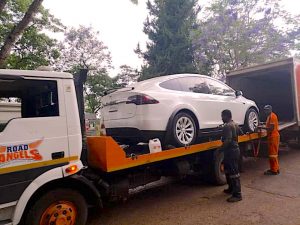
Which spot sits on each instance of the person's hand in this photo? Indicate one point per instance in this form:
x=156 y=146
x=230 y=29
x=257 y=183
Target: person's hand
x=258 y=128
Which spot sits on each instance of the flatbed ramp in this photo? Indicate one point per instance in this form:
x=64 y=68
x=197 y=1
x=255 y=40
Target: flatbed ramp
x=107 y=155
x=285 y=125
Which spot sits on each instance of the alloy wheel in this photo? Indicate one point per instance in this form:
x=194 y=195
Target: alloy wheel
x=253 y=120
x=185 y=130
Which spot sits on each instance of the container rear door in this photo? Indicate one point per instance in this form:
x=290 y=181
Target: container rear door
x=297 y=89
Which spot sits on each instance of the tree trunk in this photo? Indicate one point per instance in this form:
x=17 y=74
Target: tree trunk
x=2 y=5
x=17 y=31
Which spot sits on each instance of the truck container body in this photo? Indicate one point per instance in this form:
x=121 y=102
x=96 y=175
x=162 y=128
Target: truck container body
x=276 y=83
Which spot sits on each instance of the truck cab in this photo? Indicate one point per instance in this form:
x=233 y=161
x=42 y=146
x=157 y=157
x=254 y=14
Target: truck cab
x=40 y=142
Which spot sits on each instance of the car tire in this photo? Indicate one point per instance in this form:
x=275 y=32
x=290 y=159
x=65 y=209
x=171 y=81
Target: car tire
x=57 y=203
x=183 y=130
x=251 y=120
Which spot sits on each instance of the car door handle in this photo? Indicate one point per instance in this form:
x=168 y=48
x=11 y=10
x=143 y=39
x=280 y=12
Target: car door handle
x=58 y=155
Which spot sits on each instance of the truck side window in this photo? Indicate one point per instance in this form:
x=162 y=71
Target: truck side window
x=24 y=98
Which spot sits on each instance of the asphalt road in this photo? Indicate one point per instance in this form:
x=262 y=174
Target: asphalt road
x=268 y=200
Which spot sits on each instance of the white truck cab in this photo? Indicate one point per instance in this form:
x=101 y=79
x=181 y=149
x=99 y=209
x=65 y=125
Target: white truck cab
x=42 y=143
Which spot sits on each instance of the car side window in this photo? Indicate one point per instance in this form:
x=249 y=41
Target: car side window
x=217 y=88
x=171 y=85
x=194 y=84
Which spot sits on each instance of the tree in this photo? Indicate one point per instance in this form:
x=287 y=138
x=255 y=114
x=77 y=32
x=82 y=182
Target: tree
x=81 y=48
x=240 y=33
x=169 y=28
x=17 y=30
x=2 y=5
x=33 y=47
x=127 y=76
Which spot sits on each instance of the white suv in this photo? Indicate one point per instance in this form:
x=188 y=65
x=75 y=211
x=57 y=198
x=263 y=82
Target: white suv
x=177 y=109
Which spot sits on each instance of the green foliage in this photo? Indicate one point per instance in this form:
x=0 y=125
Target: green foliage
x=95 y=88
x=169 y=28
x=35 y=47
x=240 y=33
x=127 y=76
x=81 y=48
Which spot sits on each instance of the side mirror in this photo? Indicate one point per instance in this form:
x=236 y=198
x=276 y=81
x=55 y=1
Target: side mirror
x=238 y=93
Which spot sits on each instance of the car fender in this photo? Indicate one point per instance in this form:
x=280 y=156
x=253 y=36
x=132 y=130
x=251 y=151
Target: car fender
x=46 y=177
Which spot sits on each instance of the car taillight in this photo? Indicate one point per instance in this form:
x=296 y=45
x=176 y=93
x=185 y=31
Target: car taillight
x=141 y=100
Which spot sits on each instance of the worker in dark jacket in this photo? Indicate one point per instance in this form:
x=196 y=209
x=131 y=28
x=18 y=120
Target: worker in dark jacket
x=231 y=156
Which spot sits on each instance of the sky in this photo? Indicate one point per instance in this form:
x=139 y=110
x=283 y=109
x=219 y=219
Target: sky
x=119 y=22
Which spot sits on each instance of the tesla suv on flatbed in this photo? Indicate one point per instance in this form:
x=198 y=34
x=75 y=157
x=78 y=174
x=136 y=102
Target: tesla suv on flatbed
x=177 y=109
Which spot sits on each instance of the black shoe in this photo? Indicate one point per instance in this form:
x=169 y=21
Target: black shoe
x=228 y=191
x=234 y=199
x=270 y=172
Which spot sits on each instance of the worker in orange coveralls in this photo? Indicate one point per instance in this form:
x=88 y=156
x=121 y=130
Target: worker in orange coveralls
x=273 y=140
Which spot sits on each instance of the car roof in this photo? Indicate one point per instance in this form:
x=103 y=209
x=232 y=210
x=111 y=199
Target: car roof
x=173 y=76
x=35 y=73
x=142 y=85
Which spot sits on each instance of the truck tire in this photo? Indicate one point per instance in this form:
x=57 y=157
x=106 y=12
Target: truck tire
x=61 y=205
x=218 y=174
x=214 y=169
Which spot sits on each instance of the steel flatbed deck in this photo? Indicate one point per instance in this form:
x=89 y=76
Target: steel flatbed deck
x=108 y=156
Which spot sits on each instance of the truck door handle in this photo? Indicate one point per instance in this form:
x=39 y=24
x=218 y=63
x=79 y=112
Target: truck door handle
x=58 y=155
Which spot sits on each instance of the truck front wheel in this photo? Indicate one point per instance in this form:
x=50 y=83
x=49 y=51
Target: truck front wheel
x=60 y=206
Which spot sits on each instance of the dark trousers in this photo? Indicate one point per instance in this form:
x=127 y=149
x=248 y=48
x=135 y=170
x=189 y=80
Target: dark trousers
x=231 y=166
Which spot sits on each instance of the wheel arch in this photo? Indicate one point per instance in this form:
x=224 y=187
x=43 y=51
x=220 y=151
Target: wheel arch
x=254 y=107
x=186 y=111
x=251 y=107
x=76 y=182
x=171 y=118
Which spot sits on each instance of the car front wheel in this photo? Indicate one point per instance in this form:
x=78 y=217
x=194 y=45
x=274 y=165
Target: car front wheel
x=251 y=120
x=184 y=130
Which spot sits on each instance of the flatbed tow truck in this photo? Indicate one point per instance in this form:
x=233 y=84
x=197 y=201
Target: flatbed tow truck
x=51 y=173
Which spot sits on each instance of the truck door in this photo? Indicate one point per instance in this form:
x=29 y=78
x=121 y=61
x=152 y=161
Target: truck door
x=35 y=141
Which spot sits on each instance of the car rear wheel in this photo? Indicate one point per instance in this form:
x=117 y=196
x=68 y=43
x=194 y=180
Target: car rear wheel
x=184 y=130
x=251 y=120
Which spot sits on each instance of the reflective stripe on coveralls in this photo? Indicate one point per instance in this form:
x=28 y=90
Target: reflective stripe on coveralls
x=234 y=176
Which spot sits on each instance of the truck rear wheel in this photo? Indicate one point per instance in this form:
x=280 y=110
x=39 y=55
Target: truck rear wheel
x=214 y=168
x=60 y=206
x=218 y=173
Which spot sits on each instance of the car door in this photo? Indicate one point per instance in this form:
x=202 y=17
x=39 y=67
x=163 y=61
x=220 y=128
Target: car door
x=225 y=98
x=197 y=94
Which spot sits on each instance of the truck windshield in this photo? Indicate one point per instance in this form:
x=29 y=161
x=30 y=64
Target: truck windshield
x=21 y=98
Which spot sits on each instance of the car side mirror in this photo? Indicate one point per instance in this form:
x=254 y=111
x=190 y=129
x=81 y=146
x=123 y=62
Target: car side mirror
x=238 y=93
